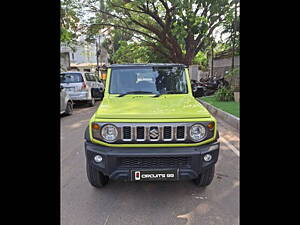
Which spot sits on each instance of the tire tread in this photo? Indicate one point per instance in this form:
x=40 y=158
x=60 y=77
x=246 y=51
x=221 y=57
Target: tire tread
x=206 y=177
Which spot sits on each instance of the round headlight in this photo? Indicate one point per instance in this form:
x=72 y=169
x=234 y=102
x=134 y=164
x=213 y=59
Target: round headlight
x=109 y=133
x=197 y=132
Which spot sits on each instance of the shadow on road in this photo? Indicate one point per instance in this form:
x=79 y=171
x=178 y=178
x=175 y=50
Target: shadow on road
x=84 y=105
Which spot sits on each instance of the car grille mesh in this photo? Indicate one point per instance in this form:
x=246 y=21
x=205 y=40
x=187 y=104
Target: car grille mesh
x=155 y=162
x=127 y=133
x=140 y=133
x=180 y=132
x=167 y=132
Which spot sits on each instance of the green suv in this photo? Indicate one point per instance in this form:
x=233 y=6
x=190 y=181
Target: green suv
x=150 y=127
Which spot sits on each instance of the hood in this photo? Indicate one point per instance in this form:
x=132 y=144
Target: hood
x=146 y=107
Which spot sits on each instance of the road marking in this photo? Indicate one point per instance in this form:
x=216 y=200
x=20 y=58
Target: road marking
x=106 y=220
x=237 y=152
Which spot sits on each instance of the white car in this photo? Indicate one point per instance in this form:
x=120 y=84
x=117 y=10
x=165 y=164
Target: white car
x=82 y=86
x=66 y=103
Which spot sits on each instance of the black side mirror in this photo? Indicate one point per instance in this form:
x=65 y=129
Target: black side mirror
x=61 y=87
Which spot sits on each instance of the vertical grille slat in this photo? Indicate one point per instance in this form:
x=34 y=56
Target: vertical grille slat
x=180 y=133
x=167 y=132
x=140 y=133
x=127 y=133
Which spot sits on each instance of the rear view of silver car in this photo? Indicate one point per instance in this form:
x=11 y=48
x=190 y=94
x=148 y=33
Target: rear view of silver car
x=82 y=86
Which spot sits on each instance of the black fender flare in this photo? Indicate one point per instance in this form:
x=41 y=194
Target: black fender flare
x=87 y=134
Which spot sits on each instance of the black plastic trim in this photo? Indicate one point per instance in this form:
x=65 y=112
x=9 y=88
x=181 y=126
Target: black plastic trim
x=110 y=167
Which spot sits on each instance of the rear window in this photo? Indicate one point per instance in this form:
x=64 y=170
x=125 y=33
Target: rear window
x=71 y=78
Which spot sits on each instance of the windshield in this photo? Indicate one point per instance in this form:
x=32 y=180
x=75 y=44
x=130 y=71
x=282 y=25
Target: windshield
x=157 y=80
x=71 y=78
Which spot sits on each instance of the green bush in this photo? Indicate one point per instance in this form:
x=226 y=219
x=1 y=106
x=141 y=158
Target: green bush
x=224 y=95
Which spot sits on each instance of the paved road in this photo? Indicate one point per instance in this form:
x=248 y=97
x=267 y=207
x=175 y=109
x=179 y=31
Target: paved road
x=163 y=203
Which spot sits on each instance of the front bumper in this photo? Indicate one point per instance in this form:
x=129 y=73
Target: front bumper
x=118 y=162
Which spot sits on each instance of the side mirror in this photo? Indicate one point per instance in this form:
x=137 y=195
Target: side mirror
x=61 y=87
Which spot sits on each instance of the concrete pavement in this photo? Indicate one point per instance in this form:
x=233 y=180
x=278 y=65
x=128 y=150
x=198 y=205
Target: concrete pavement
x=159 y=203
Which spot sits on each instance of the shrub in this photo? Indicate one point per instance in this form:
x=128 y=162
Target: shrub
x=232 y=77
x=224 y=95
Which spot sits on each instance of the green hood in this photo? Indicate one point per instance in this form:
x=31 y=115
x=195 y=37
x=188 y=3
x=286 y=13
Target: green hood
x=146 y=107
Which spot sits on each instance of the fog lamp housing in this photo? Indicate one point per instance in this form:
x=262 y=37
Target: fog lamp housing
x=98 y=158
x=207 y=157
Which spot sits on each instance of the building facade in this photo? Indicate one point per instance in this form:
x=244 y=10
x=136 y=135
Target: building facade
x=222 y=65
x=84 y=55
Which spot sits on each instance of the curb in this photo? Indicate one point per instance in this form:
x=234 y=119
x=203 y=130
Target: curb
x=227 y=117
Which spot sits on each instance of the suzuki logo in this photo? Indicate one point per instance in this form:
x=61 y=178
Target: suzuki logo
x=153 y=133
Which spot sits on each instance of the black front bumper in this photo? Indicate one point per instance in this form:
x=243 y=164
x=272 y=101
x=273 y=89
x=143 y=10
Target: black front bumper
x=118 y=162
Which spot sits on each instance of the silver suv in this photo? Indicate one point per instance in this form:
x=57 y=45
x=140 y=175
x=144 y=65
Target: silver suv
x=66 y=103
x=82 y=86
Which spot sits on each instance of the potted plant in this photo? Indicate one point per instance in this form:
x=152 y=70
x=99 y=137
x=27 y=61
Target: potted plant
x=237 y=93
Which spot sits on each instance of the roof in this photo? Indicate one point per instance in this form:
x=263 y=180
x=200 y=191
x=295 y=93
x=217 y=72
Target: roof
x=73 y=71
x=146 y=65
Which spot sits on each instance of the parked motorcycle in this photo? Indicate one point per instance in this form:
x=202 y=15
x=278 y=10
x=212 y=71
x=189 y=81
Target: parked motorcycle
x=211 y=85
x=198 y=88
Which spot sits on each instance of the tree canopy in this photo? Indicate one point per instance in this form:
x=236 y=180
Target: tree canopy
x=69 y=22
x=180 y=31
x=177 y=29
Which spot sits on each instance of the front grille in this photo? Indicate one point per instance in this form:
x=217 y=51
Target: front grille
x=155 y=162
x=155 y=133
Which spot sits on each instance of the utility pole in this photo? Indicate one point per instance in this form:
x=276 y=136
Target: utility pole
x=97 y=56
x=212 y=60
x=97 y=53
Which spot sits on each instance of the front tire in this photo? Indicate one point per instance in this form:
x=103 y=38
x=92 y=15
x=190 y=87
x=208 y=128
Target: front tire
x=69 y=108
x=95 y=177
x=92 y=102
x=206 y=177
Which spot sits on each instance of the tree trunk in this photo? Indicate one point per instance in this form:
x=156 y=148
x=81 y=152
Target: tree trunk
x=188 y=58
x=234 y=34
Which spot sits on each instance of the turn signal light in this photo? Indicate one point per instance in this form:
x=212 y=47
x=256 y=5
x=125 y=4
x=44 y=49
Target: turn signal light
x=211 y=126
x=95 y=126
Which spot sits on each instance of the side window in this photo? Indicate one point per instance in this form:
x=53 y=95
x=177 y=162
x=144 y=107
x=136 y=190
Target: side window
x=92 y=77
x=87 y=77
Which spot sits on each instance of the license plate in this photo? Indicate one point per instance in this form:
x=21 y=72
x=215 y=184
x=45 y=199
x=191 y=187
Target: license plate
x=154 y=175
x=69 y=89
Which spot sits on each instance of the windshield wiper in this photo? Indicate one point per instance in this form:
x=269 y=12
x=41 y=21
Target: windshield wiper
x=136 y=92
x=168 y=92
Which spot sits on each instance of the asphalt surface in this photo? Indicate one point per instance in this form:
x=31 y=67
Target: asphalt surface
x=145 y=203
